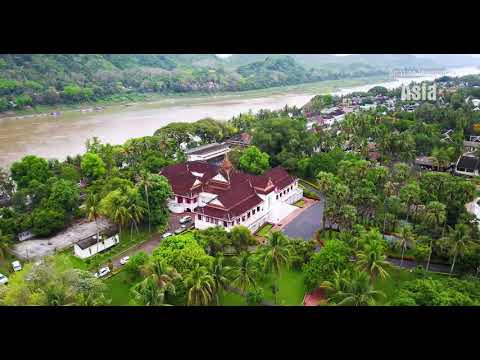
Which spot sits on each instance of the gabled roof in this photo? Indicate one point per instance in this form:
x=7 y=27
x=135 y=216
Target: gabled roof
x=468 y=162
x=236 y=191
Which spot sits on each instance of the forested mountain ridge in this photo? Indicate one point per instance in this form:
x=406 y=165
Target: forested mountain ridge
x=29 y=80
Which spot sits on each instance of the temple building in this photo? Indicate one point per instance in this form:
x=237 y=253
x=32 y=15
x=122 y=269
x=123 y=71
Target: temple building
x=223 y=196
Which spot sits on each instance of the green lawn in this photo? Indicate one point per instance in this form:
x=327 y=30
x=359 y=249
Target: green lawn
x=232 y=299
x=264 y=230
x=119 y=288
x=300 y=203
x=291 y=288
x=290 y=285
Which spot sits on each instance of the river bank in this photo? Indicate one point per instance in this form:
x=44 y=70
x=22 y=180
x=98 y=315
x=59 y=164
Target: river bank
x=66 y=134
x=132 y=99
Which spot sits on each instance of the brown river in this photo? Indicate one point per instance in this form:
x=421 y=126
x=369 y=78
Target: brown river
x=57 y=137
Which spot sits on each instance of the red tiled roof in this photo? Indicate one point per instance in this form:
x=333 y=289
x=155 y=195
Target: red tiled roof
x=238 y=195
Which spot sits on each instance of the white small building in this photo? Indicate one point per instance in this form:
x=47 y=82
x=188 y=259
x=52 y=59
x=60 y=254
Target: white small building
x=91 y=245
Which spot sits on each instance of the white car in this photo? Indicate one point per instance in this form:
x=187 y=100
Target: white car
x=124 y=260
x=185 y=219
x=102 y=272
x=3 y=279
x=16 y=265
x=167 y=234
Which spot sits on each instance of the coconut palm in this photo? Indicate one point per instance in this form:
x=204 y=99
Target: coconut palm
x=407 y=237
x=146 y=184
x=372 y=257
x=389 y=189
x=200 y=286
x=435 y=215
x=245 y=271
x=161 y=273
x=351 y=288
x=275 y=255
x=459 y=242
x=326 y=182
x=221 y=276
x=3 y=245
x=93 y=211
x=147 y=293
x=136 y=209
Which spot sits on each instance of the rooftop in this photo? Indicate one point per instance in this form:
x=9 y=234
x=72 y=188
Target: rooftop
x=205 y=149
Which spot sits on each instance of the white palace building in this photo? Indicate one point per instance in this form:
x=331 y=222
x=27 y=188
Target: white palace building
x=223 y=196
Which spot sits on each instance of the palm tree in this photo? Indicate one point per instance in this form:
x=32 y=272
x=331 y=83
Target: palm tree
x=146 y=184
x=407 y=237
x=93 y=211
x=275 y=255
x=245 y=272
x=221 y=276
x=372 y=257
x=161 y=273
x=200 y=286
x=326 y=182
x=136 y=209
x=351 y=288
x=389 y=189
x=434 y=215
x=147 y=293
x=459 y=241
x=4 y=245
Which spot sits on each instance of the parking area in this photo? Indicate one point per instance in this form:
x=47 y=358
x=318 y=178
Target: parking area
x=306 y=223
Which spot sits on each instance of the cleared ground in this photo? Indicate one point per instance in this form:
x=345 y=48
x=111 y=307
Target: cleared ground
x=38 y=248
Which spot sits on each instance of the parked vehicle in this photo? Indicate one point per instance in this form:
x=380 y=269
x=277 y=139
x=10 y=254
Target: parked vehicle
x=185 y=219
x=16 y=265
x=124 y=260
x=167 y=234
x=3 y=279
x=102 y=272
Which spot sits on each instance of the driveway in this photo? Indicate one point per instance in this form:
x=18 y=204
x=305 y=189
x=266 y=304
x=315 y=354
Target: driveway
x=306 y=223
x=149 y=245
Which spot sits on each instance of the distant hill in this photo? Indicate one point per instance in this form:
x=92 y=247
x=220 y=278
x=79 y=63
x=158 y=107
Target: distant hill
x=29 y=80
x=452 y=60
x=341 y=63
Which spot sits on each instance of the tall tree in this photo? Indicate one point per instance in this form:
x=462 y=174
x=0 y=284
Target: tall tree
x=351 y=288
x=459 y=242
x=221 y=276
x=200 y=286
x=275 y=256
x=435 y=215
x=372 y=257
x=245 y=271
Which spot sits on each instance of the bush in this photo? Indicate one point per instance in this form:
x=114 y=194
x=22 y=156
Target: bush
x=255 y=296
x=47 y=221
x=334 y=256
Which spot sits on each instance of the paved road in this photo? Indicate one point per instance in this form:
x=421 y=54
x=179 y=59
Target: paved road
x=410 y=264
x=147 y=246
x=307 y=223
x=150 y=245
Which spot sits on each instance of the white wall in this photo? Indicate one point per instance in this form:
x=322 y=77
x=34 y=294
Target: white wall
x=96 y=248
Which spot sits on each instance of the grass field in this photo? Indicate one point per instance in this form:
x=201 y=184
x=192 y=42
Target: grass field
x=264 y=230
x=290 y=288
x=290 y=292
x=232 y=299
x=119 y=288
